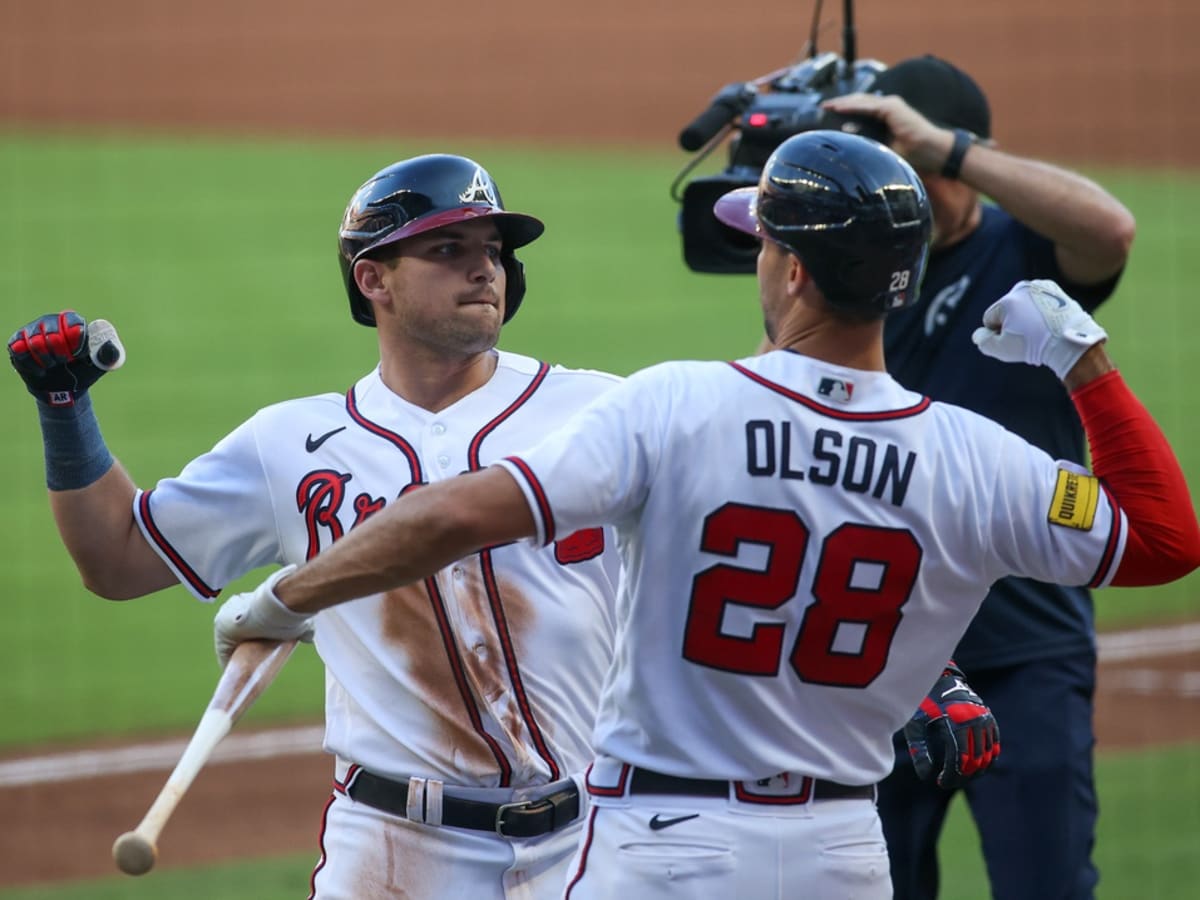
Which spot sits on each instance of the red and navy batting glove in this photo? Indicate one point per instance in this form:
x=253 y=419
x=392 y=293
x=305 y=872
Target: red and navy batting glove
x=52 y=355
x=952 y=735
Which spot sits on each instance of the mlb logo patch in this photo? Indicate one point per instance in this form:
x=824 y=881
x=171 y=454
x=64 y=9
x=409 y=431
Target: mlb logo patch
x=782 y=784
x=836 y=389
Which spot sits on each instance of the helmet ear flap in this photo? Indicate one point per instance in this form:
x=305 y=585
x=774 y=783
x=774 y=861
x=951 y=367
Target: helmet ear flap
x=514 y=292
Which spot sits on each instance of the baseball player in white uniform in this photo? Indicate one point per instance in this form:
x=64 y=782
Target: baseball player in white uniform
x=459 y=709
x=803 y=542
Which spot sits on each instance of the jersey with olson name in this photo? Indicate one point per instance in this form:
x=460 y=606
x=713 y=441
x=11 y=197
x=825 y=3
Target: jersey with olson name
x=803 y=545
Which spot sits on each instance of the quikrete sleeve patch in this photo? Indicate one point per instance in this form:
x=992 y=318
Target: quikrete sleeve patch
x=1075 y=499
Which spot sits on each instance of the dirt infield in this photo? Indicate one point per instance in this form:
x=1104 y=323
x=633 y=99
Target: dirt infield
x=1080 y=80
x=1091 y=80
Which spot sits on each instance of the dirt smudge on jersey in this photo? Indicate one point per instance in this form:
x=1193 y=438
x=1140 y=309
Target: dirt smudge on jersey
x=486 y=659
x=406 y=863
x=391 y=866
x=521 y=614
x=409 y=622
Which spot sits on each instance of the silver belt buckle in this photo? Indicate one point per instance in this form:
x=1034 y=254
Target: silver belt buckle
x=505 y=807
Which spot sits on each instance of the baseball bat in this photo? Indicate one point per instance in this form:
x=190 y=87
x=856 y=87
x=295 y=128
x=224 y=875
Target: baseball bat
x=251 y=668
x=104 y=347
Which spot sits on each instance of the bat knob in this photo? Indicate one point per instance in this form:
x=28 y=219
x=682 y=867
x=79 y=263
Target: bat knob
x=106 y=349
x=134 y=854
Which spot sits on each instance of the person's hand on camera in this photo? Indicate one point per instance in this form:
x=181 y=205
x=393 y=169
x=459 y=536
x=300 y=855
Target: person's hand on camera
x=914 y=137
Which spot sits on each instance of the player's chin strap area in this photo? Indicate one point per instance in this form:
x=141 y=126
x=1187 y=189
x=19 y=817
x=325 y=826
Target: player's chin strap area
x=422 y=800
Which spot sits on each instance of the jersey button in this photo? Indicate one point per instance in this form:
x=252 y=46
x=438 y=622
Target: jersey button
x=439 y=428
x=443 y=461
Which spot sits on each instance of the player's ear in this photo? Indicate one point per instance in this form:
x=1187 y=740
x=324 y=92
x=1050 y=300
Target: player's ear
x=369 y=276
x=797 y=276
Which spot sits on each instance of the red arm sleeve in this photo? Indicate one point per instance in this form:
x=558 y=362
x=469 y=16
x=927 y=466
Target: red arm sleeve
x=1132 y=456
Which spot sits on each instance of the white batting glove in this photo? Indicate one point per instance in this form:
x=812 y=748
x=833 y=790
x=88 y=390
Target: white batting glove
x=258 y=614
x=1038 y=324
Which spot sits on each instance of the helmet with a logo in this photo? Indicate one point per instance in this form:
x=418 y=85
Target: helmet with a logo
x=853 y=211
x=417 y=195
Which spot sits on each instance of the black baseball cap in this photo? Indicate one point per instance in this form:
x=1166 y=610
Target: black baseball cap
x=938 y=90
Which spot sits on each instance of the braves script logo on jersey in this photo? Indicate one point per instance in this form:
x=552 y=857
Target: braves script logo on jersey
x=836 y=389
x=319 y=497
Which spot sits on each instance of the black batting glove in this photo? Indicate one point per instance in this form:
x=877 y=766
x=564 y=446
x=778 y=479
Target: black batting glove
x=953 y=736
x=60 y=356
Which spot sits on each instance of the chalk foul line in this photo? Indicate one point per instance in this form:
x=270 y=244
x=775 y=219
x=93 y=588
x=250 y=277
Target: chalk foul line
x=279 y=742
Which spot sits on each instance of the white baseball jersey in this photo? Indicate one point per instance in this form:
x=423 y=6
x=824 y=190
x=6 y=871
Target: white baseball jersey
x=803 y=546
x=485 y=675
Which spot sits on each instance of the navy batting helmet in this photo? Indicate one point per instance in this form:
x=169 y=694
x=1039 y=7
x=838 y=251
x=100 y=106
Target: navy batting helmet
x=417 y=195
x=852 y=210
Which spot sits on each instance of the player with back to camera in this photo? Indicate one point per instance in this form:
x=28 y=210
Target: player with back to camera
x=1036 y=813
x=460 y=709
x=790 y=590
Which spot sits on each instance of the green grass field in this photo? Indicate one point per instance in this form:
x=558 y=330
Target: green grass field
x=216 y=262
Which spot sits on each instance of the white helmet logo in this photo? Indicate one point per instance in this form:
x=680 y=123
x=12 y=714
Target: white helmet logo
x=479 y=190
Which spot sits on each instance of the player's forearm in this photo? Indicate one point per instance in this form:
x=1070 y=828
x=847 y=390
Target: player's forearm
x=1132 y=456
x=418 y=534
x=97 y=528
x=381 y=554
x=1092 y=230
x=1090 y=366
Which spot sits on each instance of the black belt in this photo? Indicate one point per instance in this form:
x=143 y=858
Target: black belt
x=645 y=781
x=520 y=819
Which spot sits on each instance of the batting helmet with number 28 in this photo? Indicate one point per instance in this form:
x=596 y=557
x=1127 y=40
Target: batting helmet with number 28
x=852 y=210
x=417 y=195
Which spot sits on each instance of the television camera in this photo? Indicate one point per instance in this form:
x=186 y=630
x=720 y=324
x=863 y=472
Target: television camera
x=761 y=114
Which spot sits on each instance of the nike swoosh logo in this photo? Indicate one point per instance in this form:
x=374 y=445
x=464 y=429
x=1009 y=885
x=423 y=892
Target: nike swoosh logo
x=312 y=444
x=657 y=824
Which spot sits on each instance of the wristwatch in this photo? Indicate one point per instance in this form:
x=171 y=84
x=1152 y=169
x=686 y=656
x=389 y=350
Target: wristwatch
x=963 y=140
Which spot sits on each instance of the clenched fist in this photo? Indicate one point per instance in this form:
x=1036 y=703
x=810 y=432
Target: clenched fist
x=61 y=355
x=1037 y=323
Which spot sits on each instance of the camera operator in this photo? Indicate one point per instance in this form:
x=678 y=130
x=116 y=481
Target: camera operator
x=1031 y=650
